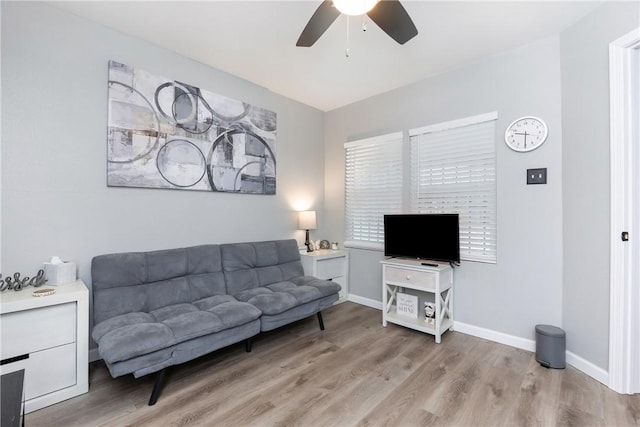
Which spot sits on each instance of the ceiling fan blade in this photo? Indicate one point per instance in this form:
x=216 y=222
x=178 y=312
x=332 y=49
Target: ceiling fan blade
x=322 y=19
x=394 y=20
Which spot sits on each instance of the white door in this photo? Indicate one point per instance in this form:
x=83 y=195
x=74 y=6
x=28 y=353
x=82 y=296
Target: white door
x=624 y=324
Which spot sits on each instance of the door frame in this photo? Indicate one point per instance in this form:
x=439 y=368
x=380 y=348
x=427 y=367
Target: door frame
x=624 y=304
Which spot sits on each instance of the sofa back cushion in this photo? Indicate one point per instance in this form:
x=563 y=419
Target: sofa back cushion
x=250 y=265
x=144 y=281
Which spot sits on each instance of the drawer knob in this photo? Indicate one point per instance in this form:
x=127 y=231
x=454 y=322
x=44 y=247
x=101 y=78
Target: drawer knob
x=408 y=277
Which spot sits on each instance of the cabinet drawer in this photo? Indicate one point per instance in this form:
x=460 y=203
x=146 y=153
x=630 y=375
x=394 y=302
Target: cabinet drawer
x=330 y=268
x=37 y=329
x=410 y=277
x=46 y=371
x=50 y=370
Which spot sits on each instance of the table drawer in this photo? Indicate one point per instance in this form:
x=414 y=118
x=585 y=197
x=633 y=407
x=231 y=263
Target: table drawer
x=410 y=277
x=37 y=329
x=330 y=268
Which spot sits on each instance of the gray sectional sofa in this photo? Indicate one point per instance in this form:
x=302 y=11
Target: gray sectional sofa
x=156 y=309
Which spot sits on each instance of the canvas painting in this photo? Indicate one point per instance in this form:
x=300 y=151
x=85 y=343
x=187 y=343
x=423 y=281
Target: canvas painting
x=165 y=133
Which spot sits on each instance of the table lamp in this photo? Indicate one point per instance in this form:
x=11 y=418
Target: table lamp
x=307 y=221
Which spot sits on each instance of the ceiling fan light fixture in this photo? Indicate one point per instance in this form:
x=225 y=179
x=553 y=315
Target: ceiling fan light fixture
x=354 y=7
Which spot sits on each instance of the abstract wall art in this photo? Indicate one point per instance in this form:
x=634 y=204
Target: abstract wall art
x=165 y=133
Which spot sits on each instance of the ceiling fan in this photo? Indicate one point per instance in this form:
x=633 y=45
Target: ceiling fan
x=389 y=15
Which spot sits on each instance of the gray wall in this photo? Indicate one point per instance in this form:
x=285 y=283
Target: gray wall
x=55 y=200
x=525 y=286
x=586 y=180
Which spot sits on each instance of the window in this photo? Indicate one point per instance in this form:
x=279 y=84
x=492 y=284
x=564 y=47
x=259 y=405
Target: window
x=453 y=170
x=373 y=187
x=449 y=168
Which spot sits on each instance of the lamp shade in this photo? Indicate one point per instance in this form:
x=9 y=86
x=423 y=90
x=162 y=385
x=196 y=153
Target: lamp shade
x=307 y=220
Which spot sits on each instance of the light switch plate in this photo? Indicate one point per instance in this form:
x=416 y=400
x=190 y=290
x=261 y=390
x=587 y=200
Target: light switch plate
x=537 y=176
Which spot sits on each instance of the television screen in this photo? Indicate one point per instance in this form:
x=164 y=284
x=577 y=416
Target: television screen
x=422 y=236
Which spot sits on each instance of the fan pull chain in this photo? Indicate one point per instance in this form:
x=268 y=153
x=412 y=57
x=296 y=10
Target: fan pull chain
x=347 y=52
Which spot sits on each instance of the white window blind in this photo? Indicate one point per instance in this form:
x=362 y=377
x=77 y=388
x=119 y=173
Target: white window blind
x=373 y=187
x=453 y=170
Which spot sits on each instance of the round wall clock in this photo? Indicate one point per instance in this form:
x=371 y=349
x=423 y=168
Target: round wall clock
x=526 y=133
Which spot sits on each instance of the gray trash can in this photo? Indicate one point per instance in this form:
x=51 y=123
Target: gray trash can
x=550 y=346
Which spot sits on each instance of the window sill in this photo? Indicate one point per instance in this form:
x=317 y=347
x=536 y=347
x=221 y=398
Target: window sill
x=370 y=246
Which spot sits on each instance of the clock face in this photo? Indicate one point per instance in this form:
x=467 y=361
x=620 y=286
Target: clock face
x=526 y=134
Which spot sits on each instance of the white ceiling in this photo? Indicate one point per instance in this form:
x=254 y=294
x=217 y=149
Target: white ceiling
x=256 y=40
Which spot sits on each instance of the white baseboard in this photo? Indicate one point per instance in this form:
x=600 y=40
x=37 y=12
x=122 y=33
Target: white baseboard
x=595 y=372
x=491 y=335
x=365 y=301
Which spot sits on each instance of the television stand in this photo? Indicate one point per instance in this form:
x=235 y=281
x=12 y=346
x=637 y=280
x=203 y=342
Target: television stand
x=425 y=283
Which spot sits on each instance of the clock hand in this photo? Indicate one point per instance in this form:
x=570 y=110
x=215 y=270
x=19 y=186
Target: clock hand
x=525 y=137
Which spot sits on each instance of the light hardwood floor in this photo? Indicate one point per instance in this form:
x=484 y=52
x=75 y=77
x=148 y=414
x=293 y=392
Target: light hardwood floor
x=355 y=373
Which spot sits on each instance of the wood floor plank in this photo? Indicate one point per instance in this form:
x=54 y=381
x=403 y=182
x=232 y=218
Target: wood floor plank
x=376 y=378
x=537 y=400
x=462 y=385
x=621 y=410
x=355 y=373
x=429 y=377
x=494 y=395
x=319 y=382
x=580 y=402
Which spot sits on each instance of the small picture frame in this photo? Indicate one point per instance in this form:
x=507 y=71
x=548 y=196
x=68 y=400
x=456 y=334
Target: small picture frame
x=407 y=305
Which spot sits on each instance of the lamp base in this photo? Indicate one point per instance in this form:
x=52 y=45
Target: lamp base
x=307 y=243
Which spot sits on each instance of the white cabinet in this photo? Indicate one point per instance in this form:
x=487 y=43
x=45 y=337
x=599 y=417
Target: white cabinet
x=48 y=337
x=328 y=264
x=427 y=283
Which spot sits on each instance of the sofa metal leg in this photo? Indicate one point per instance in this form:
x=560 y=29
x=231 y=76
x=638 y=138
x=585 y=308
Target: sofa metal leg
x=156 y=387
x=247 y=345
x=320 y=320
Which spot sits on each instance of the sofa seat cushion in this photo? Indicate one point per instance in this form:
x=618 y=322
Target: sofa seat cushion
x=171 y=311
x=279 y=297
x=134 y=340
x=325 y=287
x=192 y=325
x=302 y=294
x=235 y=313
x=267 y=301
x=133 y=334
x=121 y=321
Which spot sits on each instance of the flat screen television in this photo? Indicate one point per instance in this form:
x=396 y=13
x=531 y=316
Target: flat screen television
x=422 y=236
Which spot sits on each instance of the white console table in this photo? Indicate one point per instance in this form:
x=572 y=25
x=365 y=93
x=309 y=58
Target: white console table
x=328 y=264
x=48 y=337
x=428 y=283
